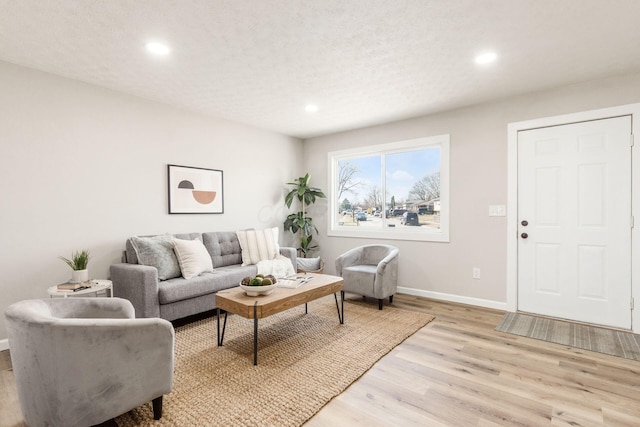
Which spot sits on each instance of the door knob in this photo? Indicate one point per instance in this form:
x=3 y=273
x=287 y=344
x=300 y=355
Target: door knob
x=524 y=235
x=524 y=223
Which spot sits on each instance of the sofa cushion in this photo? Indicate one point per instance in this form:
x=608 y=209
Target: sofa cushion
x=180 y=289
x=130 y=252
x=224 y=248
x=258 y=245
x=360 y=278
x=157 y=252
x=192 y=257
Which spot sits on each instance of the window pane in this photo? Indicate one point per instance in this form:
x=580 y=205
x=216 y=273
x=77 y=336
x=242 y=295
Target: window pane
x=413 y=185
x=359 y=192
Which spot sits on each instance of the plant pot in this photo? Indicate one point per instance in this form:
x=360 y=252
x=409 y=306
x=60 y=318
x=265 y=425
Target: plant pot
x=79 y=276
x=310 y=265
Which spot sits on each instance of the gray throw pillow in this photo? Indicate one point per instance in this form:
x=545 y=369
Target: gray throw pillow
x=158 y=252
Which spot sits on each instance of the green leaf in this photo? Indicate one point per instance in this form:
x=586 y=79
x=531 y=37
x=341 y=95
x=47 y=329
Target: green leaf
x=79 y=260
x=289 y=198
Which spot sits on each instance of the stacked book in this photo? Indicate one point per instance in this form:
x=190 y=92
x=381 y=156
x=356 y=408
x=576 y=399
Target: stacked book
x=68 y=286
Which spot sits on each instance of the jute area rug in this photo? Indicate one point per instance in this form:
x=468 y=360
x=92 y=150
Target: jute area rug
x=601 y=340
x=303 y=362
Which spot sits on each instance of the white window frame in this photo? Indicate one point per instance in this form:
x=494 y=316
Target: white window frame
x=393 y=233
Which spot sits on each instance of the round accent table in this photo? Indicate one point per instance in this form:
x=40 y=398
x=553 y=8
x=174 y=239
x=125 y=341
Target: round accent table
x=97 y=286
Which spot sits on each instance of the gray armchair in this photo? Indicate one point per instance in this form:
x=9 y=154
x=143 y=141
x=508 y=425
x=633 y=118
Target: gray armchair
x=83 y=361
x=370 y=270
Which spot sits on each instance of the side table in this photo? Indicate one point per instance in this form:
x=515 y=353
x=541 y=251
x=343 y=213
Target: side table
x=96 y=287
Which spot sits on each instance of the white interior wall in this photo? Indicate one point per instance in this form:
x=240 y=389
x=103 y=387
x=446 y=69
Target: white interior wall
x=478 y=171
x=85 y=167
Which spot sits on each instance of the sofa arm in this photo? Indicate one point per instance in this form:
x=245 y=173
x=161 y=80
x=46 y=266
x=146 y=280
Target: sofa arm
x=138 y=284
x=292 y=254
x=392 y=259
x=347 y=259
x=387 y=275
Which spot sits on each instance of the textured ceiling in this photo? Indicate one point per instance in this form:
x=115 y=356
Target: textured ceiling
x=362 y=62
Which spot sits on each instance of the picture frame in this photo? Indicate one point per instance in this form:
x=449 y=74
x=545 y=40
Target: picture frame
x=193 y=190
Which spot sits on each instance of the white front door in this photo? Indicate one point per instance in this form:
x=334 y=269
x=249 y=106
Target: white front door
x=574 y=221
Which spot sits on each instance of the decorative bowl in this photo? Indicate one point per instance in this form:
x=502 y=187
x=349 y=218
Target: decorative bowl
x=254 y=291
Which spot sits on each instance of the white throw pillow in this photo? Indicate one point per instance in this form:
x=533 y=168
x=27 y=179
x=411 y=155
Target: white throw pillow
x=192 y=256
x=258 y=245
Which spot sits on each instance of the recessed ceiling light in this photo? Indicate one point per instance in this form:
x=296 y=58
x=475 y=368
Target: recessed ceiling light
x=311 y=108
x=486 y=58
x=158 y=48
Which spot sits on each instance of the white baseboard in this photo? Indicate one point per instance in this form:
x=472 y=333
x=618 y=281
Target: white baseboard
x=4 y=344
x=497 y=305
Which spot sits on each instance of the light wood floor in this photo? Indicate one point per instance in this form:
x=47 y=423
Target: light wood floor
x=458 y=371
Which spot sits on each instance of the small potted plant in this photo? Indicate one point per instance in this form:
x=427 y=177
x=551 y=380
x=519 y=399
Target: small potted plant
x=78 y=263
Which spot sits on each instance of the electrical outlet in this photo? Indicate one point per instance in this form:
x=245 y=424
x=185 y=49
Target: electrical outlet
x=476 y=273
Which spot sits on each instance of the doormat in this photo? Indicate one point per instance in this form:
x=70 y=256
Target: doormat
x=601 y=340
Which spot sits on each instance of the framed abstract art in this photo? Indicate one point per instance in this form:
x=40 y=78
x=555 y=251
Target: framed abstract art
x=195 y=190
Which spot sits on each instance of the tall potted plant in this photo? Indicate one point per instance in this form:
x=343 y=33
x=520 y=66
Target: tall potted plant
x=300 y=222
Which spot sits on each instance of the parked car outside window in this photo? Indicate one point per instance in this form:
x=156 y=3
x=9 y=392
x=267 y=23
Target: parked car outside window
x=361 y=216
x=425 y=210
x=410 y=218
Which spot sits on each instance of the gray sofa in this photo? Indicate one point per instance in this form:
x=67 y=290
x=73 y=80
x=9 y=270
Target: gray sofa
x=177 y=298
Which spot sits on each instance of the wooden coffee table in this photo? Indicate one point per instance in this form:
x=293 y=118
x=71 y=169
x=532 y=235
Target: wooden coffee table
x=235 y=301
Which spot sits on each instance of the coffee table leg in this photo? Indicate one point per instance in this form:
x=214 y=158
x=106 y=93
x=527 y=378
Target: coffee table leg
x=305 y=308
x=255 y=333
x=340 y=312
x=224 y=326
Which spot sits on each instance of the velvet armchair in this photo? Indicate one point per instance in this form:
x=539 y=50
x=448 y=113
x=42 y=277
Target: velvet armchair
x=370 y=270
x=83 y=361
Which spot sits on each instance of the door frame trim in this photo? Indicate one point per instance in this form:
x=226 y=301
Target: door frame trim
x=512 y=193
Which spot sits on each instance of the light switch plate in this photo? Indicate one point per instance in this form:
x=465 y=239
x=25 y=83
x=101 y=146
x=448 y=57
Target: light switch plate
x=497 y=210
